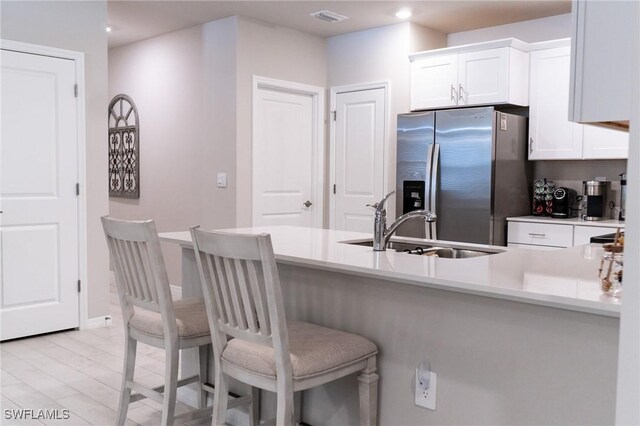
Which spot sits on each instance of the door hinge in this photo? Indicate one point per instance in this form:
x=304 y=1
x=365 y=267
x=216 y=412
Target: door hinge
x=77 y=189
x=78 y=286
x=75 y=90
x=334 y=188
x=335 y=113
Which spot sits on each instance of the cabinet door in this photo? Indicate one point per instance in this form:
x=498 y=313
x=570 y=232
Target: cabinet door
x=583 y=234
x=605 y=33
x=483 y=77
x=551 y=135
x=602 y=143
x=434 y=82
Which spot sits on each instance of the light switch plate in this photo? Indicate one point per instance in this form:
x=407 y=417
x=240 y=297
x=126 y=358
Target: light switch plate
x=222 y=180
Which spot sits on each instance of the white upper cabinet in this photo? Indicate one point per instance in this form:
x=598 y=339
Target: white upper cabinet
x=480 y=74
x=434 y=81
x=483 y=76
x=551 y=135
x=601 y=143
x=604 y=41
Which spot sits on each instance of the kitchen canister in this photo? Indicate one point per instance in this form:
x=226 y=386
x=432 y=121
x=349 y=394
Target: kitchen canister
x=611 y=267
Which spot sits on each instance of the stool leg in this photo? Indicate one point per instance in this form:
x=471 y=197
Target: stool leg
x=284 y=412
x=127 y=376
x=170 y=383
x=203 y=360
x=254 y=410
x=297 y=407
x=369 y=394
x=220 y=397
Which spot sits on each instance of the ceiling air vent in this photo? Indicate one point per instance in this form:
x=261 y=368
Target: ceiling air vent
x=329 y=16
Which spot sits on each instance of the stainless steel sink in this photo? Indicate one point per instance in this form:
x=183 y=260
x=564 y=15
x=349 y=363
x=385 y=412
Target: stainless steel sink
x=417 y=248
x=396 y=245
x=455 y=253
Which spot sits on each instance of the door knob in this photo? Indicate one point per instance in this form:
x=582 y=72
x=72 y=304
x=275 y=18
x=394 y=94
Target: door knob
x=307 y=203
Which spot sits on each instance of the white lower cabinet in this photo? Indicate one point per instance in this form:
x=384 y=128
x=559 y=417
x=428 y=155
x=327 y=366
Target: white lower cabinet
x=540 y=234
x=552 y=236
x=583 y=234
x=532 y=247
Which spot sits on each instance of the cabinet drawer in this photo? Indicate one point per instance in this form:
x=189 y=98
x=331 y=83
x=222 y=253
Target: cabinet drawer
x=540 y=234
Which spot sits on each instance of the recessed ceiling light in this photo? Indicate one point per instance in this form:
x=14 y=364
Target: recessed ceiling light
x=108 y=29
x=327 y=15
x=403 y=14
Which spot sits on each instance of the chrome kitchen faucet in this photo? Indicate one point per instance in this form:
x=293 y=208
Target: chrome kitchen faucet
x=381 y=233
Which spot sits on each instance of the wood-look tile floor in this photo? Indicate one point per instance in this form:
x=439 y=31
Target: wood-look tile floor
x=80 y=371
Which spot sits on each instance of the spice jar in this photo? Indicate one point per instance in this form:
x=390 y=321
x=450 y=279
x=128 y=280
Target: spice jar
x=611 y=267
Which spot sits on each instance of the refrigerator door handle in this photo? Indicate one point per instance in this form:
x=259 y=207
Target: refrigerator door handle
x=427 y=188
x=433 y=190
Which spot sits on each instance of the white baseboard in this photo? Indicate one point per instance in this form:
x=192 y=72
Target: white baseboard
x=98 y=322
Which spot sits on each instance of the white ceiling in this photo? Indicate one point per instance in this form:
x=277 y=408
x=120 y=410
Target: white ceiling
x=137 y=20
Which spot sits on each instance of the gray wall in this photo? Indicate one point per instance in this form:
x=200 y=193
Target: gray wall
x=276 y=52
x=381 y=54
x=165 y=81
x=183 y=84
x=193 y=89
x=532 y=31
x=77 y=26
x=498 y=362
x=571 y=173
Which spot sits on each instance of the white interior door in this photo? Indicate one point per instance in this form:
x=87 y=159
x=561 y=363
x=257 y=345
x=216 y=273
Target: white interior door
x=358 y=158
x=285 y=170
x=38 y=175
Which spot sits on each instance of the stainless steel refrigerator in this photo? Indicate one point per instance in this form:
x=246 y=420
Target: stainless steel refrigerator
x=469 y=166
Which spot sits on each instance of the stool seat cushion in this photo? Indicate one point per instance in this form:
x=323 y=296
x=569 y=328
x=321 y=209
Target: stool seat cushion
x=191 y=319
x=314 y=350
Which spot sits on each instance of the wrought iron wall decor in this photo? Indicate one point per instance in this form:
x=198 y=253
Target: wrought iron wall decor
x=124 y=148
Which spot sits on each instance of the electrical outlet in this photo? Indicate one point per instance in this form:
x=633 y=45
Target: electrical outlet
x=426 y=397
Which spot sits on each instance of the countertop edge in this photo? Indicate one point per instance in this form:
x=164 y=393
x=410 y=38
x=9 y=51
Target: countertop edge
x=460 y=287
x=553 y=301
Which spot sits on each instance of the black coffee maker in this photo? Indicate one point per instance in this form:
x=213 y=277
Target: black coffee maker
x=564 y=201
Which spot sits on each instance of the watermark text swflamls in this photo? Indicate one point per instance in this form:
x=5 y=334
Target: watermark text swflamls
x=38 y=414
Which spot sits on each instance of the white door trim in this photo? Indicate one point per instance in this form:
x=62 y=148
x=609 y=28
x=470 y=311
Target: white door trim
x=78 y=58
x=317 y=99
x=334 y=91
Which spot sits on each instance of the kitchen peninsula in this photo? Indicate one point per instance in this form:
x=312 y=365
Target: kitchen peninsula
x=517 y=337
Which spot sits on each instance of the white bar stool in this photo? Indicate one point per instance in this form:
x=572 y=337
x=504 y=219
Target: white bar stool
x=244 y=301
x=152 y=317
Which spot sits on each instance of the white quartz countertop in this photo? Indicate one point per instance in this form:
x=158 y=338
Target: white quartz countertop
x=607 y=223
x=565 y=279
